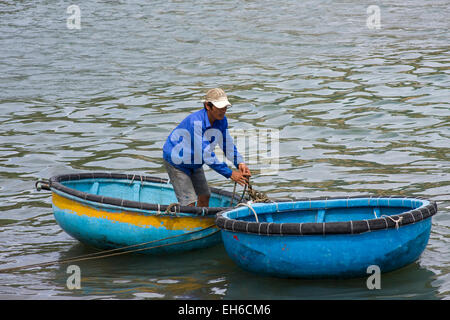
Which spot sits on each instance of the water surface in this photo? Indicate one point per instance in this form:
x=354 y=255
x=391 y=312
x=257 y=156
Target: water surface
x=358 y=111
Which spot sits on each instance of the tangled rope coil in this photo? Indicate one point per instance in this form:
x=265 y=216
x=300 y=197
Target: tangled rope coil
x=257 y=196
x=254 y=195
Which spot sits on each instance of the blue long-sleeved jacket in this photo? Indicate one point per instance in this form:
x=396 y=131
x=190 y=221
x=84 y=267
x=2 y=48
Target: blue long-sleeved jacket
x=191 y=144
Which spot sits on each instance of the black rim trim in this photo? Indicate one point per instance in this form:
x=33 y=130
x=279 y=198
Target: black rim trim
x=55 y=183
x=324 y=228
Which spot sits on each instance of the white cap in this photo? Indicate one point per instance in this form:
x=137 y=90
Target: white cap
x=218 y=98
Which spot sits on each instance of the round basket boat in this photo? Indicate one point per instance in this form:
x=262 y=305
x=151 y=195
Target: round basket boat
x=110 y=210
x=327 y=238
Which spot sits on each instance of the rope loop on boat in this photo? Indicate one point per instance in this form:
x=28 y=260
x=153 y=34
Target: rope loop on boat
x=42 y=184
x=248 y=204
x=173 y=205
x=256 y=196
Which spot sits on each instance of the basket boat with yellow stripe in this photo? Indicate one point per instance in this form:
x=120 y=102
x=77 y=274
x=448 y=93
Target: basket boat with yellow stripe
x=113 y=210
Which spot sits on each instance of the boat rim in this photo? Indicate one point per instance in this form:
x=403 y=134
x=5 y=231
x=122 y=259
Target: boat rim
x=55 y=183
x=426 y=210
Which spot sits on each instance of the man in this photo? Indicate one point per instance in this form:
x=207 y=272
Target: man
x=191 y=144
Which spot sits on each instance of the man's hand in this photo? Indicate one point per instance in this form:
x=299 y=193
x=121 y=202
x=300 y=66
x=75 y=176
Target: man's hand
x=238 y=177
x=244 y=169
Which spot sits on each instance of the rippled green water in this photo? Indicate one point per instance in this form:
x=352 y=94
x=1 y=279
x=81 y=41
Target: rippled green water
x=358 y=111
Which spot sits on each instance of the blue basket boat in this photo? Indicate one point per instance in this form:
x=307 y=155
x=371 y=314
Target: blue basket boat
x=327 y=238
x=110 y=210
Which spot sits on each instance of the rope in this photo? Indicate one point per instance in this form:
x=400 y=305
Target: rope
x=234 y=192
x=132 y=180
x=42 y=184
x=255 y=196
x=109 y=253
x=243 y=194
x=170 y=206
x=395 y=221
x=250 y=207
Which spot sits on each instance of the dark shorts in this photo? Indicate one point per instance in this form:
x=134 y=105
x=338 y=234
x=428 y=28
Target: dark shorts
x=187 y=188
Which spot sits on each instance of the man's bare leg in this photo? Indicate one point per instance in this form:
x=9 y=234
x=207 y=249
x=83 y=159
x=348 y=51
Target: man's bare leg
x=203 y=201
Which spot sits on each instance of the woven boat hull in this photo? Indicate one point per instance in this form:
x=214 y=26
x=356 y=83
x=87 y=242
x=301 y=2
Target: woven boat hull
x=304 y=248
x=133 y=213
